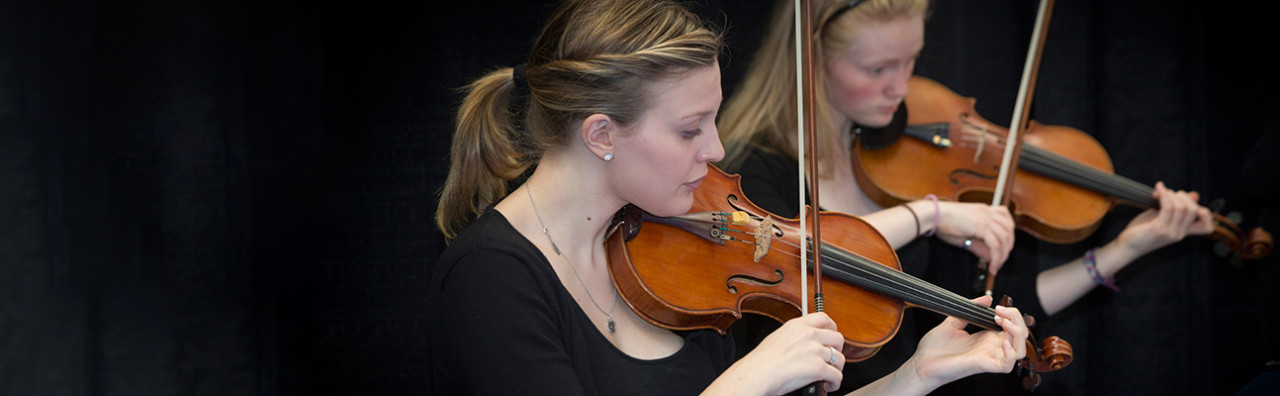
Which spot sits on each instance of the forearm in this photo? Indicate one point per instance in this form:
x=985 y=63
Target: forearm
x=733 y=382
x=1061 y=286
x=900 y=225
x=903 y=381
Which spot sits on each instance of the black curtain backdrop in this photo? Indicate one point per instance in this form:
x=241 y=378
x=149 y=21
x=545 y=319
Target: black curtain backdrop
x=237 y=197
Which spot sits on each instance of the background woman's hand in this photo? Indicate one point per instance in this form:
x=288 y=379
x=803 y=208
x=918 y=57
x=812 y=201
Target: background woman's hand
x=989 y=228
x=948 y=352
x=1179 y=215
x=797 y=354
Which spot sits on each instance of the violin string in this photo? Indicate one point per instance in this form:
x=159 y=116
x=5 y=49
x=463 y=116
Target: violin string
x=1087 y=177
x=903 y=284
x=914 y=286
x=1074 y=172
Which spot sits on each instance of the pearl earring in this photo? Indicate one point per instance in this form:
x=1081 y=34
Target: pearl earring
x=608 y=156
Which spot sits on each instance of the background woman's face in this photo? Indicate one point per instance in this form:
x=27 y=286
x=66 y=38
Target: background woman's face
x=868 y=80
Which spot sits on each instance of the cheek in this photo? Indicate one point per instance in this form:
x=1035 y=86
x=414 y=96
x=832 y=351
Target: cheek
x=850 y=90
x=654 y=181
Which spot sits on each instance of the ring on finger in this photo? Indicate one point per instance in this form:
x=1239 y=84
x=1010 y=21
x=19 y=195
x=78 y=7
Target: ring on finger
x=832 y=359
x=968 y=242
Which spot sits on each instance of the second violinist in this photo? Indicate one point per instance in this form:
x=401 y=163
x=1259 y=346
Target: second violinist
x=866 y=52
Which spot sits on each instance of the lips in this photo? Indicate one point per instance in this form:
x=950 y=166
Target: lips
x=693 y=185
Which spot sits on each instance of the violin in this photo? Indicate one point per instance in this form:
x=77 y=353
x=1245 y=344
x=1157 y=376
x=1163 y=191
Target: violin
x=1064 y=182
x=727 y=257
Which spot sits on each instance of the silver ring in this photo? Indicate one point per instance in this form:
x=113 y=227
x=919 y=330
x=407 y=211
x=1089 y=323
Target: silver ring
x=968 y=242
x=832 y=360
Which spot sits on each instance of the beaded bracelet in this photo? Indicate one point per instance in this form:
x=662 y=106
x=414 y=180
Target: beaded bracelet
x=937 y=214
x=1091 y=265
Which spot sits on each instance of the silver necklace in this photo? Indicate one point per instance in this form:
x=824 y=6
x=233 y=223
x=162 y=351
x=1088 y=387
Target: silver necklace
x=608 y=313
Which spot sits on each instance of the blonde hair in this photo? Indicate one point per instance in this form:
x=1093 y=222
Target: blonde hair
x=762 y=112
x=592 y=57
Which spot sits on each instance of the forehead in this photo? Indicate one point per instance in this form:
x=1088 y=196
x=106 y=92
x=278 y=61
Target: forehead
x=897 y=38
x=692 y=92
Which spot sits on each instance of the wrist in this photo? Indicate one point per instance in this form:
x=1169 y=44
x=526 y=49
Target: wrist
x=1091 y=266
x=734 y=381
x=937 y=214
x=907 y=379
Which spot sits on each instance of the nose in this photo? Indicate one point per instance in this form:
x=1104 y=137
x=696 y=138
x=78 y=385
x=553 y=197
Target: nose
x=714 y=152
x=898 y=87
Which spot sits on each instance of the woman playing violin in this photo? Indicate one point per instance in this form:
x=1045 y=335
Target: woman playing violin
x=617 y=105
x=866 y=53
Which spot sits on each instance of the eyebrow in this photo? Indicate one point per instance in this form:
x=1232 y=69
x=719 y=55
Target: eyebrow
x=699 y=114
x=703 y=113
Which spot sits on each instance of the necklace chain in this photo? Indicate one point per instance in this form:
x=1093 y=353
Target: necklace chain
x=608 y=313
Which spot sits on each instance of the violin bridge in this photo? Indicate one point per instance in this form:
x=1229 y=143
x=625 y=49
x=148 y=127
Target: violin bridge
x=978 y=133
x=764 y=235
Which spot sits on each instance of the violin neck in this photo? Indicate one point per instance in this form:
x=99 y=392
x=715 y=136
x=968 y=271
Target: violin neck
x=1066 y=170
x=856 y=270
x=1056 y=167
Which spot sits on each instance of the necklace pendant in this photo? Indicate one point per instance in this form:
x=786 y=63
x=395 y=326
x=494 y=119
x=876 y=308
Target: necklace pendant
x=612 y=328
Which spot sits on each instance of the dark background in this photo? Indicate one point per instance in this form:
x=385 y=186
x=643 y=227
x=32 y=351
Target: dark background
x=237 y=197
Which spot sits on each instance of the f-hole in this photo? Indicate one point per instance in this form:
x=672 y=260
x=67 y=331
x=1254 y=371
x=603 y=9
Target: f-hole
x=752 y=280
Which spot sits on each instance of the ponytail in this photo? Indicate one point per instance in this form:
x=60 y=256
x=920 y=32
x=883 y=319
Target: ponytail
x=484 y=155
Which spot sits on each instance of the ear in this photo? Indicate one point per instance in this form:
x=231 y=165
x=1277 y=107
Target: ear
x=599 y=132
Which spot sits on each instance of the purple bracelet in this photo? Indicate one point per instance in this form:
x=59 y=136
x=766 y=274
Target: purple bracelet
x=937 y=214
x=1091 y=265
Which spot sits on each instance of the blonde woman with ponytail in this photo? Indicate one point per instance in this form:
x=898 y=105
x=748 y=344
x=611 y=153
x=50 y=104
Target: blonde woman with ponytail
x=617 y=104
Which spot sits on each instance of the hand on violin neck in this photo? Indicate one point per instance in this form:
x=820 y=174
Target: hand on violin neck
x=1179 y=215
x=948 y=352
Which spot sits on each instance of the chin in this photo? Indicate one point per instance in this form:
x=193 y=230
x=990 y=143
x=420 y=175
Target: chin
x=672 y=207
x=877 y=122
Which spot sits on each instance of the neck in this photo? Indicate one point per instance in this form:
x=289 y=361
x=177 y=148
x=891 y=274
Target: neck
x=571 y=202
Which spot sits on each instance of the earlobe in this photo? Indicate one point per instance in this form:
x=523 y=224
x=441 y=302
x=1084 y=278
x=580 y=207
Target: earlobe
x=598 y=132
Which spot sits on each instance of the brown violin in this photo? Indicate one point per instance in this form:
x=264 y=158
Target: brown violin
x=727 y=257
x=1064 y=181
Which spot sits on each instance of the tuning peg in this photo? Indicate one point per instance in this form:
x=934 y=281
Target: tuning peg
x=1235 y=217
x=1031 y=381
x=1221 y=249
x=1217 y=204
x=980 y=283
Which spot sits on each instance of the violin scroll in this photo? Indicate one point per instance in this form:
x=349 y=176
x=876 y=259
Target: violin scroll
x=1233 y=242
x=1052 y=354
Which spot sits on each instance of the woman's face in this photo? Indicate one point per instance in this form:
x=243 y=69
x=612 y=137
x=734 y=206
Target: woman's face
x=664 y=158
x=868 y=80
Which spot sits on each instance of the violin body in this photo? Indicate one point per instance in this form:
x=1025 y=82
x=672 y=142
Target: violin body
x=681 y=280
x=1063 y=186
x=967 y=170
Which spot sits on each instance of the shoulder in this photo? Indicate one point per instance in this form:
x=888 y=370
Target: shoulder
x=490 y=252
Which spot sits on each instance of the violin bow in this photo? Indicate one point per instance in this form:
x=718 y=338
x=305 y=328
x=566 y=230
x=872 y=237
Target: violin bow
x=1021 y=110
x=806 y=123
